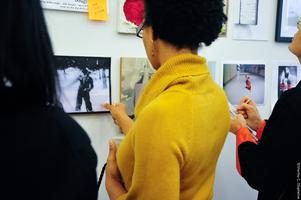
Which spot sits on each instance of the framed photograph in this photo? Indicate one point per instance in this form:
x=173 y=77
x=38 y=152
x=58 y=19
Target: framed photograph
x=85 y=83
x=67 y=5
x=134 y=74
x=288 y=14
x=130 y=15
x=244 y=79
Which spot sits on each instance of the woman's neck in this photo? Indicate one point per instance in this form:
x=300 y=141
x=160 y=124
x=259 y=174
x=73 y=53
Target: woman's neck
x=166 y=51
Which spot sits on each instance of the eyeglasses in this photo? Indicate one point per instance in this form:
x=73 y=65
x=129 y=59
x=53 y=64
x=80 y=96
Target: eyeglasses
x=139 y=30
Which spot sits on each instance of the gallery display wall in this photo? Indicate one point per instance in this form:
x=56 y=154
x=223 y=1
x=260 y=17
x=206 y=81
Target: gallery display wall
x=73 y=34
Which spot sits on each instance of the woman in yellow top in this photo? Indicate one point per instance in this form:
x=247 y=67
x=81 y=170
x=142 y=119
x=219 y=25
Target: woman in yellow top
x=182 y=118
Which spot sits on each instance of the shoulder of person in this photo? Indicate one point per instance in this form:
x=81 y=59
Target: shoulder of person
x=289 y=103
x=173 y=102
x=66 y=126
x=168 y=110
x=291 y=95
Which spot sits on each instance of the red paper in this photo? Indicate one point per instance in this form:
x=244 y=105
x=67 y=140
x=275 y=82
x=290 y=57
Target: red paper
x=134 y=11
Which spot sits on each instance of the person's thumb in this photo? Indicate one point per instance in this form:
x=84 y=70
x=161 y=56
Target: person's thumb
x=112 y=151
x=244 y=107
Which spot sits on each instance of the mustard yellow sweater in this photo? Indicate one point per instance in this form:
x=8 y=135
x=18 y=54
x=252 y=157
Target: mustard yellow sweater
x=182 y=122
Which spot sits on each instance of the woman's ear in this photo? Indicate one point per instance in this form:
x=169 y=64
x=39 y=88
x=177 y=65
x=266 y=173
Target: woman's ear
x=155 y=43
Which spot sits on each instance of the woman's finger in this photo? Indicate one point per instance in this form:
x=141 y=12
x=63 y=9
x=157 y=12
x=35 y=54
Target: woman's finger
x=112 y=151
x=107 y=106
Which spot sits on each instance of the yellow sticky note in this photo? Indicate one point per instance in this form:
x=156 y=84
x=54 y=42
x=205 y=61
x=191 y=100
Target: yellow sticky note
x=98 y=10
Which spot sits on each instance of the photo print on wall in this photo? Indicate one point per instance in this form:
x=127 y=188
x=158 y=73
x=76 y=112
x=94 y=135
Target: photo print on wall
x=241 y=80
x=130 y=15
x=134 y=74
x=285 y=76
x=85 y=83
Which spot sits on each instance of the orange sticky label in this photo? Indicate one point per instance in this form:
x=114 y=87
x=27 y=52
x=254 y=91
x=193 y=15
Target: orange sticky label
x=98 y=10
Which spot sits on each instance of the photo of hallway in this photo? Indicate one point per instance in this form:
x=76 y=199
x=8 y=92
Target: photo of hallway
x=244 y=80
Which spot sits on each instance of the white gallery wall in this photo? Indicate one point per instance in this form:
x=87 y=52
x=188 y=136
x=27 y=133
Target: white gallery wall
x=73 y=34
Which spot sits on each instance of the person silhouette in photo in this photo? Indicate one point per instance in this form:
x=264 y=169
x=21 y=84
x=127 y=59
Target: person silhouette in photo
x=248 y=83
x=139 y=85
x=85 y=86
x=104 y=80
x=282 y=86
x=237 y=72
x=285 y=80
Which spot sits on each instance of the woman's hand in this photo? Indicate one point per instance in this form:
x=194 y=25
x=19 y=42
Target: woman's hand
x=114 y=183
x=248 y=109
x=118 y=111
x=237 y=122
x=119 y=116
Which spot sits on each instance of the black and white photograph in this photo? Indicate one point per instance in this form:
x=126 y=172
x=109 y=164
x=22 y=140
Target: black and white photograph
x=287 y=78
x=85 y=83
x=134 y=74
x=241 y=80
x=288 y=15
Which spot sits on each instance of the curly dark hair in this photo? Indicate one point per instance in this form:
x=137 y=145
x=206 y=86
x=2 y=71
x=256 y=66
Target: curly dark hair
x=185 y=23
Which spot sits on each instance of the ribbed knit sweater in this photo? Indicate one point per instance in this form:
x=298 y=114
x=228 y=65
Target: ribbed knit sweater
x=182 y=119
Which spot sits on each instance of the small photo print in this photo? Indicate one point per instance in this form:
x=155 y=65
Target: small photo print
x=241 y=80
x=85 y=83
x=134 y=74
x=287 y=78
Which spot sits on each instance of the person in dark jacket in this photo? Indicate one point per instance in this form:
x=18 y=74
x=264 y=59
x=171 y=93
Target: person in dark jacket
x=270 y=161
x=85 y=86
x=45 y=154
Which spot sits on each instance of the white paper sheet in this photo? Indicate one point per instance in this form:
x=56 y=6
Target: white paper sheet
x=68 y=5
x=258 y=31
x=248 y=12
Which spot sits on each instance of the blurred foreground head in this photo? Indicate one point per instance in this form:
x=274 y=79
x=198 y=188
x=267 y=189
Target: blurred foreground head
x=27 y=75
